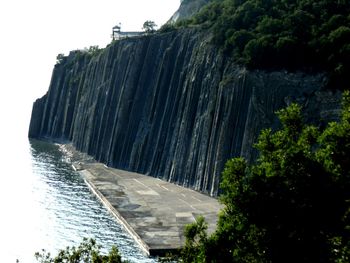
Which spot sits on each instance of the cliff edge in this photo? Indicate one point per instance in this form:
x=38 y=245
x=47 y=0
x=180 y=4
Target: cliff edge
x=187 y=9
x=170 y=105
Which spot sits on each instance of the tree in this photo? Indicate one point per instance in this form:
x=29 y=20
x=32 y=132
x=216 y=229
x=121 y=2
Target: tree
x=60 y=58
x=292 y=205
x=301 y=35
x=88 y=252
x=195 y=234
x=149 y=26
x=93 y=50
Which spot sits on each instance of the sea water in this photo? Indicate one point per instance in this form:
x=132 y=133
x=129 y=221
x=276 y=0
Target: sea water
x=45 y=204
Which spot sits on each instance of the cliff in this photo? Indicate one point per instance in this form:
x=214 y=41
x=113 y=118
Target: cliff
x=187 y=9
x=170 y=105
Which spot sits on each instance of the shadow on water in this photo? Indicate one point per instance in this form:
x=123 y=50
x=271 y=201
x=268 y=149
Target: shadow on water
x=68 y=210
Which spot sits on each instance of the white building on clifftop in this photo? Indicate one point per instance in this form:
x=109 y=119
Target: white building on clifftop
x=117 y=34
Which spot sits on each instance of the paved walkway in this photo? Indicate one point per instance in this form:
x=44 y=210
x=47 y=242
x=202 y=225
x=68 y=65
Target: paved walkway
x=153 y=211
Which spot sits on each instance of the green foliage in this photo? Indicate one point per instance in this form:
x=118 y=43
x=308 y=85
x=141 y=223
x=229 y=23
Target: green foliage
x=88 y=252
x=289 y=34
x=60 y=58
x=335 y=142
x=149 y=26
x=292 y=205
x=168 y=27
x=195 y=234
x=93 y=51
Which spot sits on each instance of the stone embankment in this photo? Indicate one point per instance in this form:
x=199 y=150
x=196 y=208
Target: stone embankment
x=154 y=212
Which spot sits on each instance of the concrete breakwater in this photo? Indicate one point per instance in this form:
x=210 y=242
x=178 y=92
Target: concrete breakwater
x=154 y=212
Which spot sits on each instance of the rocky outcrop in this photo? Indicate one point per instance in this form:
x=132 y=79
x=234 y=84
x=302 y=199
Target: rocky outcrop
x=187 y=9
x=170 y=105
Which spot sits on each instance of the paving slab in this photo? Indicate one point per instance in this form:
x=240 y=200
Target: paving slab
x=153 y=211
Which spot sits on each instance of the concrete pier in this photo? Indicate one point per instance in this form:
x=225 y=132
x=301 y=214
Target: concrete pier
x=154 y=212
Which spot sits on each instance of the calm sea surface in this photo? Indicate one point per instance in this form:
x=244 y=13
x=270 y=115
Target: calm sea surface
x=46 y=205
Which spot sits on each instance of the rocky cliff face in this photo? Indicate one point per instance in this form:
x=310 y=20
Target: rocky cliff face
x=169 y=105
x=187 y=9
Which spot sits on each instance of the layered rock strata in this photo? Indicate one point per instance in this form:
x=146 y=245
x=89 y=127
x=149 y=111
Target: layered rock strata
x=170 y=105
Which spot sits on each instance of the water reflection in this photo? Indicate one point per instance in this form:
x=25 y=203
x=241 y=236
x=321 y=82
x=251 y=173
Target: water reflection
x=65 y=211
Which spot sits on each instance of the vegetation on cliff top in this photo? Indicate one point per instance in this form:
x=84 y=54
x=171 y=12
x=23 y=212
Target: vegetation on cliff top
x=291 y=206
x=290 y=34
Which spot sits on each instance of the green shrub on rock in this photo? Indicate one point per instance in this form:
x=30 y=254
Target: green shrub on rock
x=292 y=205
x=88 y=252
x=293 y=35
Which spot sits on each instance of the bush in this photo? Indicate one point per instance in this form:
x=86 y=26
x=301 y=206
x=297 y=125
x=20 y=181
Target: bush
x=60 y=58
x=292 y=205
x=312 y=34
x=168 y=27
x=93 y=51
x=88 y=252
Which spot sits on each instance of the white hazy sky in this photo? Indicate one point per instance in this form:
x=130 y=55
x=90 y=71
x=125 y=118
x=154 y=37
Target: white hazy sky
x=33 y=32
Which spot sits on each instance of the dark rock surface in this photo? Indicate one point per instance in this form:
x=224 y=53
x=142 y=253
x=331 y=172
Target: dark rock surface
x=171 y=106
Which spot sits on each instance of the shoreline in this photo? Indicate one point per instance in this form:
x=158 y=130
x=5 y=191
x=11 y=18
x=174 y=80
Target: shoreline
x=153 y=212
x=116 y=214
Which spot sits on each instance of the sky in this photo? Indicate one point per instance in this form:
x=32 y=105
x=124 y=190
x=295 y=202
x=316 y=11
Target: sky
x=33 y=32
